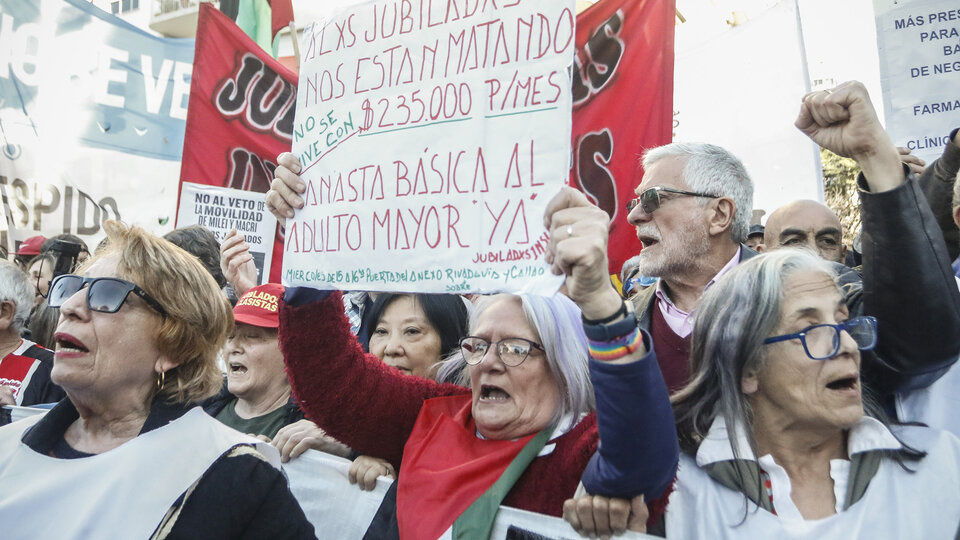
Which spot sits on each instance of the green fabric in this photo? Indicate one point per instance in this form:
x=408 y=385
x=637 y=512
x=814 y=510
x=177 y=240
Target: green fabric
x=863 y=467
x=268 y=424
x=254 y=17
x=744 y=476
x=477 y=520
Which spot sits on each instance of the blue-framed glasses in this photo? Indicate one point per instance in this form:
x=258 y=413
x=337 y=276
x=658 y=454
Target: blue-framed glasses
x=104 y=294
x=822 y=341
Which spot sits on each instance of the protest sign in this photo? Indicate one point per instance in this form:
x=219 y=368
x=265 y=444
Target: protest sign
x=93 y=113
x=432 y=136
x=222 y=209
x=919 y=46
x=622 y=96
x=241 y=112
x=338 y=509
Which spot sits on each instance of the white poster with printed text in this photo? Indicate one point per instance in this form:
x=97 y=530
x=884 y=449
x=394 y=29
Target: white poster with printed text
x=919 y=45
x=431 y=137
x=222 y=210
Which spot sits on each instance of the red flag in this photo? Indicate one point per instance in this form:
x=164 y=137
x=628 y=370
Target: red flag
x=282 y=15
x=240 y=116
x=623 y=104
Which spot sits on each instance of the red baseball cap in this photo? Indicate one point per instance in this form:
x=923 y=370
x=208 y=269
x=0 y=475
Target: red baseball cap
x=258 y=306
x=31 y=246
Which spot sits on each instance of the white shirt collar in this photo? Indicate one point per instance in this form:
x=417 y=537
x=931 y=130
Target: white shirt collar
x=867 y=435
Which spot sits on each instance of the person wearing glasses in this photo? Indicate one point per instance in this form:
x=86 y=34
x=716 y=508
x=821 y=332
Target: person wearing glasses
x=692 y=211
x=127 y=454
x=907 y=284
x=41 y=273
x=519 y=429
x=779 y=437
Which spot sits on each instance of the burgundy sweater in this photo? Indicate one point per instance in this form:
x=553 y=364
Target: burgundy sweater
x=372 y=407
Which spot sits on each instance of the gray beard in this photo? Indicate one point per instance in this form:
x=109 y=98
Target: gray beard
x=683 y=255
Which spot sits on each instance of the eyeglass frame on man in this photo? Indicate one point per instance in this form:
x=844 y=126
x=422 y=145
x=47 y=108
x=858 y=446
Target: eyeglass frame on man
x=839 y=327
x=650 y=207
x=89 y=283
x=497 y=344
x=36 y=285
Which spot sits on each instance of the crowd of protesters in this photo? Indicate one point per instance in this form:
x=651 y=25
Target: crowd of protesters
x=746 y=381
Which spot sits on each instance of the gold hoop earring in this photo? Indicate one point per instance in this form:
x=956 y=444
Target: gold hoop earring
x=161 y=379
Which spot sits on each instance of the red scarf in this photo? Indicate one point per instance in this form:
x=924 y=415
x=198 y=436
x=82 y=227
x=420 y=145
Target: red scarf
x=446 y=467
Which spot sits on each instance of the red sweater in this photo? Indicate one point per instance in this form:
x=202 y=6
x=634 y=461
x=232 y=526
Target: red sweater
x=372 y=407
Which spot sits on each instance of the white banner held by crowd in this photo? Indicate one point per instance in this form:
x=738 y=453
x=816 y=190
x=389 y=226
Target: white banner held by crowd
x=338 y=509
x=431 y=140
x=221 y=209
x=919 y=45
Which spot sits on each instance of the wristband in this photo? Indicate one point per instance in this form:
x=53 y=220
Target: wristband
x=606 y=351
x=596 y=322
x=612 y=331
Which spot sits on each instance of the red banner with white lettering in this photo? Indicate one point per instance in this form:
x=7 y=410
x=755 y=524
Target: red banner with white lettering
x=240 y=116
x=623 y=104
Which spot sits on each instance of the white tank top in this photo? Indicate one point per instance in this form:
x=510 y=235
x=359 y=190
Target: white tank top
x=122 y=493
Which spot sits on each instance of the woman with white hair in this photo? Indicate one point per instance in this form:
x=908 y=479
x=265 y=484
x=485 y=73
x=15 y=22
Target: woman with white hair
x=518 y=429
x=779 y=438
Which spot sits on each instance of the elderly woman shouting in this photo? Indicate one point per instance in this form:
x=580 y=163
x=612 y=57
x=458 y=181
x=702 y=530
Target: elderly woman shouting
x=125 y=455
x=521 y=428
x=772 y=427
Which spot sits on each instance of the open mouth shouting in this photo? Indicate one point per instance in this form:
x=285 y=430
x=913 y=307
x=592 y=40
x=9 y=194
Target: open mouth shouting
x=848 y=383
x=493 y=394
x=237 y=368
x=67 y=344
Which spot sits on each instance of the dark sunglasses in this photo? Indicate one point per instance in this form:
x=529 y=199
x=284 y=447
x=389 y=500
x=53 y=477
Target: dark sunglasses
x=104 y=294
x=650 y=199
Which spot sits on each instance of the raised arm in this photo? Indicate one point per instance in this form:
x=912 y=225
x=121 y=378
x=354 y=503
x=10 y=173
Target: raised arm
x=353 y=396
x=638 y=450
x=907 y=281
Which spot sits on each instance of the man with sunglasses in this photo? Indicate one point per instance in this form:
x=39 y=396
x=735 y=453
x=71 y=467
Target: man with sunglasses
x=907 y=282
x=688 y=217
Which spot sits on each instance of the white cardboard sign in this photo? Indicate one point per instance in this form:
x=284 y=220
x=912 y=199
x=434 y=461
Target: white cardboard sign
x=432 y=136
x=919 y=45
x=221 y=209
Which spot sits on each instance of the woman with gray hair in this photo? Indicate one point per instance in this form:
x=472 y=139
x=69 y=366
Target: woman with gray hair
x=24 y=366
x=778 y=437
x=519 y=428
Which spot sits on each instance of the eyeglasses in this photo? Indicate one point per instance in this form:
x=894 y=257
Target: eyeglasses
x=512 y=351
x=822 y=341
x=650 y=199
x=104 y=294
x=36 y=285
